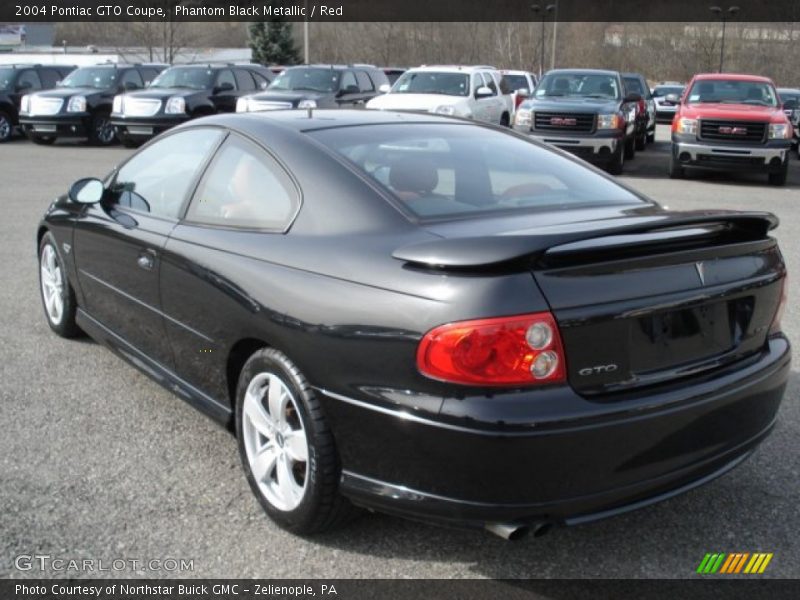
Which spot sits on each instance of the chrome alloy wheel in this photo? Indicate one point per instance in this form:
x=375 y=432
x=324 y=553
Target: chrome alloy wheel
x=52 y=282
x=275 y=441
x=104 y=130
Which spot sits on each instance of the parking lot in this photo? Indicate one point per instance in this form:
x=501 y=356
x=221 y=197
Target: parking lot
x=99 y=461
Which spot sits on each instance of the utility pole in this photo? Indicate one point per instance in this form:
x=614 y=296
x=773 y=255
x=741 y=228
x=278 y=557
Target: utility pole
x=723 y=15
x=555 y=35
x=305 y=33
x=543 y=13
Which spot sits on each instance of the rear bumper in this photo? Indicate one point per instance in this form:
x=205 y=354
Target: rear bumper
x=770 y=157
x=592 y=460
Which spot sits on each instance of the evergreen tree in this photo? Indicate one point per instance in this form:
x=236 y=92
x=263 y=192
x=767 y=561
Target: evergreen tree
x=272 y=43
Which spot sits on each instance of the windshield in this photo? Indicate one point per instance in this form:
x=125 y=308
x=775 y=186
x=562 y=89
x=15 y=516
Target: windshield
x=195 y=78
x=662 y=90
x=93 y=77
x=587 y=85
x=730 y=91
x=432 y=82
x=453 y=170
x=6 y=78
x=306 y=80
x=516 y=82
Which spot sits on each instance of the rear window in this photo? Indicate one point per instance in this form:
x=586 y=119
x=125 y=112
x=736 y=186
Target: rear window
x=440 y=171
x=663 y=90
x=516 y=82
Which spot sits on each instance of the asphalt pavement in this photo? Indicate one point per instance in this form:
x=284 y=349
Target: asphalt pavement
x=97 y=461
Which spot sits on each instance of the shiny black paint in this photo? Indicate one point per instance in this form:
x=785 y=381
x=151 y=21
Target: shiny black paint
x=330 y=294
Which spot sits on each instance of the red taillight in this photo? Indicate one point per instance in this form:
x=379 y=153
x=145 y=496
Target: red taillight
x=519 y=350
x=518 y=100
x=775 y=327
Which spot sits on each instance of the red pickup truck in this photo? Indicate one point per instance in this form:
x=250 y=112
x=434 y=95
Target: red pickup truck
x=731 y=123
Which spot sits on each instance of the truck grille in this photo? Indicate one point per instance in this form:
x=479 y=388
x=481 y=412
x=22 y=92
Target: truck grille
x=733 y=131
x=556 y=121
x=141 y=107
x=45 y=106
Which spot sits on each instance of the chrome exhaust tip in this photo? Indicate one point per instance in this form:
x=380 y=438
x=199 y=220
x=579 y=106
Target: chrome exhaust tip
x=516 y=531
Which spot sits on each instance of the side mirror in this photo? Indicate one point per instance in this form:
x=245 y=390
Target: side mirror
x=223 y=87
x=483 y=92
x=384 y=88
x=672 y=99
x=86 y=191
x=130 y=86
x=632 y=97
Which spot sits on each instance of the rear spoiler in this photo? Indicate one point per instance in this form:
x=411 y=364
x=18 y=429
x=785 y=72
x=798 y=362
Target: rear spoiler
x=589 y=236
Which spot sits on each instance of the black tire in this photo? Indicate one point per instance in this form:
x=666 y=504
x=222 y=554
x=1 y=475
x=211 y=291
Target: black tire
x=6 y=127
x=128 y=141
x=630 y=147
x=322 y=507
x=651 y=138
x=42 y=140
x=617 y=162
x=676 y=171
x=641 y=140
x=64 y=325
x=505 y=120
x=779 y=178
x=101 y=131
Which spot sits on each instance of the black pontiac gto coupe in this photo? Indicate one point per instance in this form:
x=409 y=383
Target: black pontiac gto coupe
x=426 y=316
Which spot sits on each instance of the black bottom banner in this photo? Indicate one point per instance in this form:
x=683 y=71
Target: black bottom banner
x=414 y=589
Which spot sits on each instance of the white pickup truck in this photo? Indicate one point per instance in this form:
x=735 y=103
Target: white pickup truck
x=471 y=92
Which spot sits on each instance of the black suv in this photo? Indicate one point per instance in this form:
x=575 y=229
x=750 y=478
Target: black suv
x=585 y=111
x=81 y=105
x=319 y=86
x=635 y=83
x=181 y=93
x=18 y=80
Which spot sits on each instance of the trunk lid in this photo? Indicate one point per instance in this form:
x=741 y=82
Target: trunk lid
x=640 y=299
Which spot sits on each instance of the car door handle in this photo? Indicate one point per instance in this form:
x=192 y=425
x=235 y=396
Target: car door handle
x=146 y=260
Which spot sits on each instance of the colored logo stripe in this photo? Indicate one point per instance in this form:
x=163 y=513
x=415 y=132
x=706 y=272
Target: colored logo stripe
x=734 y=563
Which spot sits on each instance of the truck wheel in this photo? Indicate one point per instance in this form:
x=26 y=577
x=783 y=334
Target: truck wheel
x=630 y=147
x=651 y=138
x=676 y=171
x=641 y=140
x=779 y=178
x=6 y=127
x=505 y=121
x=617 y=161
x=101 y=131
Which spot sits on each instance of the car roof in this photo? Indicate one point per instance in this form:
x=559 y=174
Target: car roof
x=300 y=121
x=584 y=71
x=452 y=68
x=631 y=75
x=514 y=72
x=731 y=76
x=790 y=90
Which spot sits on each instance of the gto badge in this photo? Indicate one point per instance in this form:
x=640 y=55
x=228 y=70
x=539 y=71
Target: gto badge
x=598 y=370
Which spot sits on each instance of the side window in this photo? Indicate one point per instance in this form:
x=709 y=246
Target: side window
x=364 y=82
x=487 y=77
x=50 y=77
x=30 y=78
x=244 y=80
x=148 y=75
x=477 y=82
x=244 y=187
x=131 y=77
x=261 y=81
x=157 y=179
x=226 y=76
x=349 y=83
